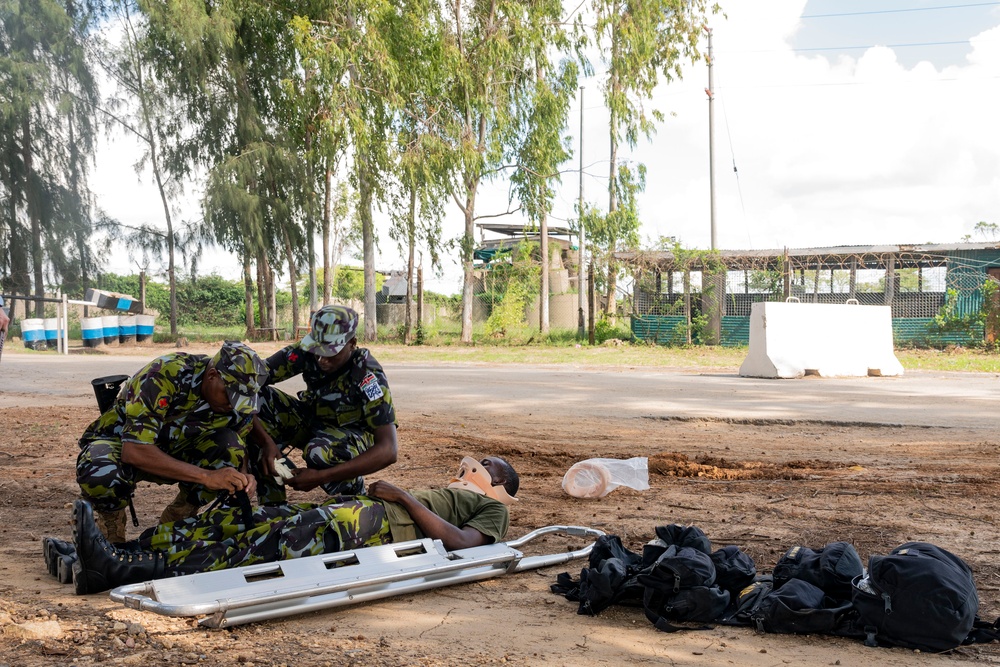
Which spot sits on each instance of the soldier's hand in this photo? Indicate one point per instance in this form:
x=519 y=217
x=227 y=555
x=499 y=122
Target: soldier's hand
x=385 y=491
x=305 y=479
x=226 y=479
x=251 y=488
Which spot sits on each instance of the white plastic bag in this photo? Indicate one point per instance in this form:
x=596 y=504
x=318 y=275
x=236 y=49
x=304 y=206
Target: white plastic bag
x=596 y=478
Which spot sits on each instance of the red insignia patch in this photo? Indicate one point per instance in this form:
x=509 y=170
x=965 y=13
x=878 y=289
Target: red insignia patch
x=162 y=402
x=293 y=357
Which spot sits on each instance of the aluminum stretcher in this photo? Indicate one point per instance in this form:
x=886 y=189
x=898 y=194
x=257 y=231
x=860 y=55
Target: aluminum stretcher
x=274 y=590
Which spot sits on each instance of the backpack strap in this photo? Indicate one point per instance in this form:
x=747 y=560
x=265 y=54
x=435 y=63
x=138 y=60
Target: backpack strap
x=983 y=632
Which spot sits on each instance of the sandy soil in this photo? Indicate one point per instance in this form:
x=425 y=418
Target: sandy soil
x=765 y=488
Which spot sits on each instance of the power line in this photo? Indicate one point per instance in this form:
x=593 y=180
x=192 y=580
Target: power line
x=891 y=46
x=897 y=11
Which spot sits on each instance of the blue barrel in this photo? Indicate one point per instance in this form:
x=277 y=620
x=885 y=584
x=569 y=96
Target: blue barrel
x=144 y=328
x=110 y=326
x=33 y=332
x=52 y=332
x=126 y=329
x=92 y=331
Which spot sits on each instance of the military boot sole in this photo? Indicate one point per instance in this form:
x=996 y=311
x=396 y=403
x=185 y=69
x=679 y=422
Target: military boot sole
x=53 y=550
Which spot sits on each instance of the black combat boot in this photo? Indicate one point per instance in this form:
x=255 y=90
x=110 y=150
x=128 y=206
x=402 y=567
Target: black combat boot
x=59 y=558
x=100 y=565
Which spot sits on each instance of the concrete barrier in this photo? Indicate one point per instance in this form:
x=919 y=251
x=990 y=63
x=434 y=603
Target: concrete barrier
x=52 y=332
x=789 y=340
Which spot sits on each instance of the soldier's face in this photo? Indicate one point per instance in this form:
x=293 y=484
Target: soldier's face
x=337 y=361
x=213 y=390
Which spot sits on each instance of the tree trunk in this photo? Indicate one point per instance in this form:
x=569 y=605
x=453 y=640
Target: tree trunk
x=272 y=306
x=262 y=303
x=411 y=242
x=468 y=245
x=327 y=277
x=543 y=298
x=32 y=199
x=292 y=279
x=368 y=244
x=251 y=331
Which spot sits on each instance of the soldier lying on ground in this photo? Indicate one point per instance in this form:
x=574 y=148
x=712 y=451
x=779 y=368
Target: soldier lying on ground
x=343 y=422
x=182 y=419
x=470 y=512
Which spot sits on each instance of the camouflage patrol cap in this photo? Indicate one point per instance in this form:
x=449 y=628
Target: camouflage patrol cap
x=332 y=328
x=243 y=373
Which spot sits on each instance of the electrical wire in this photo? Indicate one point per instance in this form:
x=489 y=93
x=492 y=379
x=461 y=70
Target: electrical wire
x=898 y=11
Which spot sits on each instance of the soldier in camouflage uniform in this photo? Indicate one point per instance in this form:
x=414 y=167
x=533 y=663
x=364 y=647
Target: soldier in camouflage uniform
x=461 y=516
x=343 y=422
x=182 y=419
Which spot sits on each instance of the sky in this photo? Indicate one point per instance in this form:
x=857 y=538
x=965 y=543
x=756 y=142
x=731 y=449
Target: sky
x=836 y=122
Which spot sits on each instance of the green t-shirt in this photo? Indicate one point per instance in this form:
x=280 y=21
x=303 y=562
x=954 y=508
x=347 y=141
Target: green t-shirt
x=456 y=506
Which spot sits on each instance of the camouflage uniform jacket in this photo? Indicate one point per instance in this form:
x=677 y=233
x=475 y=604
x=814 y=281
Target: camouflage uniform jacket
x=162 y=404
x=355 y=396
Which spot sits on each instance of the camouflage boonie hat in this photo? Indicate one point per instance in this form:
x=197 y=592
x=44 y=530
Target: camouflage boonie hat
x=243 y=372
x=333 y=327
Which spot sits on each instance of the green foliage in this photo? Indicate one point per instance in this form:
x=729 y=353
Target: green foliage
x=209 y=301
x=511 y=285
x=606 y=328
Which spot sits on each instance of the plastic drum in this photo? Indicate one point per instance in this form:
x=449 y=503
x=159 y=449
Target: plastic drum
x=110 y=325
x=144 y=328
x=126 y=329
x=33 y=332
x=92 y=331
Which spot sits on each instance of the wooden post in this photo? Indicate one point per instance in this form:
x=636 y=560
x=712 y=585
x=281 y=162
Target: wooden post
x=786 y=276
x=142 y=290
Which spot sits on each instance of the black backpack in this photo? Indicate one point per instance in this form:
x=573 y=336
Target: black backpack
x=831 y=569
x=802 y=608
x=610 y=579
x=679 y=586
x=734 y=569
x=920 y=596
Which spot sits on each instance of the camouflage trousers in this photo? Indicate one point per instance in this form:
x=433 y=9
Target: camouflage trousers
x=220 y=539
x=291 y=422
x=108 y=483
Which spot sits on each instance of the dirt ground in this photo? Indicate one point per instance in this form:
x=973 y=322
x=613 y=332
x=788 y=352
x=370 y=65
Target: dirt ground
x=764 y=487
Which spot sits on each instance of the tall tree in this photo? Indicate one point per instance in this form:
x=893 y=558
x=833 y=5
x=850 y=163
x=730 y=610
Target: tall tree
x=642 y=42
x=47 y=97
x=228 y=61
x=492 y=49
x=542 y=148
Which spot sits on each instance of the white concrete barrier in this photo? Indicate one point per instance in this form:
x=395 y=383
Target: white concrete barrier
x=789 y=340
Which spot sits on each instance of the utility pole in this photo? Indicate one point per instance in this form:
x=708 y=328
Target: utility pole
x=581 y=328
x=711 y=135
x=712 y=295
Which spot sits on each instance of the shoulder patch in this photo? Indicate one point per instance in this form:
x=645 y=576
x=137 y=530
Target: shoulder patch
x=371 y=387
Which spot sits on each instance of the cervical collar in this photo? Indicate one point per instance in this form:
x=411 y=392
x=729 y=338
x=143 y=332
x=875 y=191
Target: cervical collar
x=472 y=477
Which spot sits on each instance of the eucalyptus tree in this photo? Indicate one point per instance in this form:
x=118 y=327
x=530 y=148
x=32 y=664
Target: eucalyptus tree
x=493 y=46
x=143 y=108
x=542 y=148
x=370 y=48
x=47 y=97
x=226 y=62
x=642 y=43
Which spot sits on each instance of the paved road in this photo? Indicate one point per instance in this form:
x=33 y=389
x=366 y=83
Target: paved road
x=505 y=391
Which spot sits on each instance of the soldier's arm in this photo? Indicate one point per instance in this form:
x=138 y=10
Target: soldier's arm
x=151 y=459
x=269 y=449
x=285 y=363
x=430 y=524
x=381 y=455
